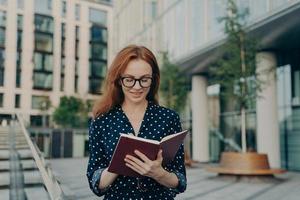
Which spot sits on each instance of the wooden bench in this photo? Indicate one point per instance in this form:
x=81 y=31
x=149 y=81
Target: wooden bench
x=233 y=163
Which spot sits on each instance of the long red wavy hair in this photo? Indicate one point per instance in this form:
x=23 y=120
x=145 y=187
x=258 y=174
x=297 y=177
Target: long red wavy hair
x=113 y=94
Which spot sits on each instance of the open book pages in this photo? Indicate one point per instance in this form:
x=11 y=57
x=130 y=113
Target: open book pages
x=139 y=138
x=150 y=140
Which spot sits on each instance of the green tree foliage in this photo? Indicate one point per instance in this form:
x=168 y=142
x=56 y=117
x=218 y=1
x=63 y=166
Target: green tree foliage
x=173 y=85
x=71 y=113
x=235 y=71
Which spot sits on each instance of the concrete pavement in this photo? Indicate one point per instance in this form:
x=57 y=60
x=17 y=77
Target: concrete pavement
x=202 y=185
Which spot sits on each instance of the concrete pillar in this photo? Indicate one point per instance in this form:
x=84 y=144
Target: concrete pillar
x=10 y=55
x=56 y=10
x=70 y=49
x=84 y=49
x=200 y=119
x=27 y=58
x=266 y=110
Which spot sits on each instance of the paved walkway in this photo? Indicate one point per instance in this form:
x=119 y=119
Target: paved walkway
x=201 y=184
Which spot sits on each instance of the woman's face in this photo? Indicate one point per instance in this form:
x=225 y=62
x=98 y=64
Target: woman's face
x=136 y=81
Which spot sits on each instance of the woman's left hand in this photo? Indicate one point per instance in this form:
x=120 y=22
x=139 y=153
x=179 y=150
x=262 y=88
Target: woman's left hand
x=145 y=166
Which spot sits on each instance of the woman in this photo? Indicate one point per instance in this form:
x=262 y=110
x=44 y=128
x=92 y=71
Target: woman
x=130 y=105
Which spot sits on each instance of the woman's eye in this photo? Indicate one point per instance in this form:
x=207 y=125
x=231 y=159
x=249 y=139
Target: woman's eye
x=128 y=80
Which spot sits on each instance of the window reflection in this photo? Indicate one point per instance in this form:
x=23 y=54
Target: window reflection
x=98 y=34
x=43 y=62
x=1 y=99
x=20 y=4
x=43 y=6
x=63 y=8
x=17 y=101
x=98 y=17
x=43 y=42
x=37 y=101
x=77 y=12
x=2 y=55
x=42 y=80
x=98 y=57
x=98 y=68
x=43 y=56
x=216 y=10
x=2 y=18
x=2 y=37
x=98 y=51
x=43 y=23
x=3 y=2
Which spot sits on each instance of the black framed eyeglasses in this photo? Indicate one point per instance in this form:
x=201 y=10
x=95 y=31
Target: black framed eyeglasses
x=129 y=82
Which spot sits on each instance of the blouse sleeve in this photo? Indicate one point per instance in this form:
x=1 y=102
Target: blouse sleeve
x=97 y=160
x=177 y=165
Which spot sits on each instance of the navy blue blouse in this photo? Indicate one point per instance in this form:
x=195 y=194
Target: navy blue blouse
x=104 y=133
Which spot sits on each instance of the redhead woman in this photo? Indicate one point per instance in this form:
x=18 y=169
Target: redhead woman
x=130 y=105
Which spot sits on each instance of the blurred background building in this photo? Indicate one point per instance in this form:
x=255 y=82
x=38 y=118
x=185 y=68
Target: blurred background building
x=190 y=32
x=51 y=48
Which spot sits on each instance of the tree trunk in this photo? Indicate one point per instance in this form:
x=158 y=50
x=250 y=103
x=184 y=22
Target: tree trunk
x=243 y=129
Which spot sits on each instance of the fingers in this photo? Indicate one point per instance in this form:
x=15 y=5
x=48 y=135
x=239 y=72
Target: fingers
x=159 y=156
x=134 y=166
x=134 y=159
x=142 y=156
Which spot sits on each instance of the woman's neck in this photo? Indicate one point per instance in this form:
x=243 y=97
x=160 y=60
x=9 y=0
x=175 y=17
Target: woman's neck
x=134 y=107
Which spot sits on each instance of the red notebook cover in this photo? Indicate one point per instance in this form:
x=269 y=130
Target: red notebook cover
x=128 y=143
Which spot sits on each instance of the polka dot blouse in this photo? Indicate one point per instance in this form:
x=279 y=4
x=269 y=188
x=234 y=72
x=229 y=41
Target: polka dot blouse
x=104 y=133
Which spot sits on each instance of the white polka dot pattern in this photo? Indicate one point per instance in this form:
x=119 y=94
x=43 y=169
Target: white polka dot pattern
x=104 y=133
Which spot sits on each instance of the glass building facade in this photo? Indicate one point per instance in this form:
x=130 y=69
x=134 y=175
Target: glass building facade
x=189 y=29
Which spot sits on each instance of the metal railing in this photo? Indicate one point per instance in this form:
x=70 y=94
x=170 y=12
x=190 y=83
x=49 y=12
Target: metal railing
x=53 y=188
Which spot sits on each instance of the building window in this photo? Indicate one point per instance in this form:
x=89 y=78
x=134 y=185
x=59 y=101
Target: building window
x=18 y=70
x=2 y=45
x=19 y=50
x=77 y=12
x=98 y=58
x=2 y=58
x=43 y=62
x=77 y=30
x=2 y=37
x=63 y=8
x=43 y=7
x=2 y=28
x=98 y=17
x=63 y=39
x=3 y=2
x=43 y=55
x=98 y=50
x=36 y=120
x=20 y=4
x=62 y=74
x=43 y=23
x=76 y=76
x=153 y=9
x=3 y=19
x=38 y=102
x=62 y=65
x=1 y=100
x=98 y=34
x=42 y=81
x=43 y=42
x=17 y=101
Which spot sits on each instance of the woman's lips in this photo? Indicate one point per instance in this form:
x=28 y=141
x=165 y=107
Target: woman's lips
x=136 y=93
